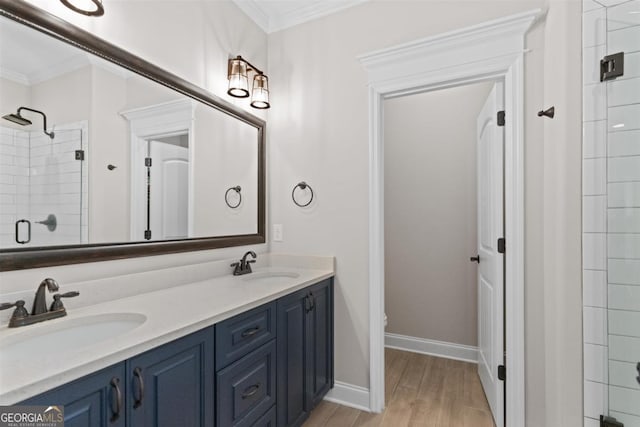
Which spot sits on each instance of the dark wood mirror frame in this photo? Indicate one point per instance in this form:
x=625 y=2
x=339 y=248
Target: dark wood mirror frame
x=23 y=258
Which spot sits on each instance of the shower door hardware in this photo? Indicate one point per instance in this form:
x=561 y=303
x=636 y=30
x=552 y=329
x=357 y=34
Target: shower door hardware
x=147 y=232
x=21 y=221
x=612 y=66
x=500 y=118
x=606 y=421
x=502 y=373
x=475 y=259
x=638 y=369
x=502 y=248
x=79 y=154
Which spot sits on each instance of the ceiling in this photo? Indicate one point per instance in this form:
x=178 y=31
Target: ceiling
x=29 y=57
x=275 y=15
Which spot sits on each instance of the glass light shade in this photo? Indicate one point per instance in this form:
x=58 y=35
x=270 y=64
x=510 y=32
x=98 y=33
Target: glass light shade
x=85 y=7
x=260 y=93
x=238 y=80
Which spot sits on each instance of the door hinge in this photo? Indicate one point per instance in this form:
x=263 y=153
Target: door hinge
x=501 y=118
x=147 y=162
x=502 y=373
x=79 y=154
x=502 y=245
x=147 y=234
x=612 y=66
x=606 y=421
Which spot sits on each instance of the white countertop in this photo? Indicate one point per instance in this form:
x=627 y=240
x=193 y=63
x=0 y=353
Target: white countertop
x=171 y=313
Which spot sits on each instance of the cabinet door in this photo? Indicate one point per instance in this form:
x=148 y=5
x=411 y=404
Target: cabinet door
x=97 y=400
x=172 y=385
x=319 y=342
x=291 y=405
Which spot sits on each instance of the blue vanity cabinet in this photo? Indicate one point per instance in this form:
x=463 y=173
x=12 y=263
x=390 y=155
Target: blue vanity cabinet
x=305 y=351
x=172 y=385
x=96 y=400
x=168 y=386
x=266 y=367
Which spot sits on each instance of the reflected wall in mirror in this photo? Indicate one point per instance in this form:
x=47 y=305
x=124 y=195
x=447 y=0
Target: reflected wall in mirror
x=111 y=156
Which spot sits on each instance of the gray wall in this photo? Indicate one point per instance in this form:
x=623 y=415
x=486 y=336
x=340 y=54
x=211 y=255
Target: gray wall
x=430 y=213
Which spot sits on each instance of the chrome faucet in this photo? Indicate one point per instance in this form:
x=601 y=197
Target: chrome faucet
x=39 y=313
x=244 y=266
x=40 y=301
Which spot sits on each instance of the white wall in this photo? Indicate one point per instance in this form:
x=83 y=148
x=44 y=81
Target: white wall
x=430 y=213
x=319 y=133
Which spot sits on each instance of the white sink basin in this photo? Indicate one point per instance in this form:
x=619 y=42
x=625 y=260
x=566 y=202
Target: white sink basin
x=67 y=335
x=270 y=276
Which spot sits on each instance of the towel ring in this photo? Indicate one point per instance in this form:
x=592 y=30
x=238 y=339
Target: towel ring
x=303 y=186
x=237 y=189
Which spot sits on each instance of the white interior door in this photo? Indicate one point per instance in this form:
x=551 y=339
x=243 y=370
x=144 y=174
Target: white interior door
x=169 y=213
x=490 y=140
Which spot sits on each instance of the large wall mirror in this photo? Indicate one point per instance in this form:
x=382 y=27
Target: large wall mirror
x=104 y=156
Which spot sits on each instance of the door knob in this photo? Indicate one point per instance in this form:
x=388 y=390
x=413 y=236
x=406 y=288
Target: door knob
x=475 y=259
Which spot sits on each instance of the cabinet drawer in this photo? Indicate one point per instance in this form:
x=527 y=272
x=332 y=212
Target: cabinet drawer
x=243 y=333
x=246 y=389
x=268 y=419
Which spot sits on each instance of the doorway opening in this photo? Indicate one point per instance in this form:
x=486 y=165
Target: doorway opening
x=491 y=50
x=443 y=210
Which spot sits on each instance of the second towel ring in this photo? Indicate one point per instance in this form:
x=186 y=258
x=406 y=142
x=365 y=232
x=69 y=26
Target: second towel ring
x=303 y=186
x=238 y=190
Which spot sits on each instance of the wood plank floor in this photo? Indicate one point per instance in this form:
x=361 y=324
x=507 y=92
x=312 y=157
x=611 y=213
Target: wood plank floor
x=421 y=391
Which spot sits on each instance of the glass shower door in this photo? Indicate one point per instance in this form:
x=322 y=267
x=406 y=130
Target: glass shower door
x=623 y=213
x=611 y=212
x=43 y=187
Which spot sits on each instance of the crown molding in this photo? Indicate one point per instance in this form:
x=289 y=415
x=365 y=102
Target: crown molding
x=271 y=19
x=255 y=12
x=14 y=76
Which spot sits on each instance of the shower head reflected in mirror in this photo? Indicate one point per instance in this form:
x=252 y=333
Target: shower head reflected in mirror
x=17 y=118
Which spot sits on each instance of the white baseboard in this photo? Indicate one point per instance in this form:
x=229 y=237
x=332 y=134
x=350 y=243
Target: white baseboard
x=447 y=350
x=349 y=395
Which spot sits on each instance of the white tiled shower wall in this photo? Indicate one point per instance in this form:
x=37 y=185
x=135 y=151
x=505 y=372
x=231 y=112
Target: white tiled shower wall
x=14 y=182
x=40 y=176
x=611 y=214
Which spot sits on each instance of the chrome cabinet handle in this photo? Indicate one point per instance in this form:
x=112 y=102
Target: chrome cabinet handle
x=137 y=373
x=250 y=332
x=115 y=383
x=250 y=391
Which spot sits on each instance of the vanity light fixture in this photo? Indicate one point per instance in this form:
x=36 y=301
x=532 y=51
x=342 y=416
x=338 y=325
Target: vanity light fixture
x=238 y=77
x=85 y=7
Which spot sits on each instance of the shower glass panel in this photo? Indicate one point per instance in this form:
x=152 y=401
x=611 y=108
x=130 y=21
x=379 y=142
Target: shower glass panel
x=43 y=186
x=611 y=212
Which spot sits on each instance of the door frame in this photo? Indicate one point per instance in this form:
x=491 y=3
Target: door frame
x=489 y=51
x=145 y=123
